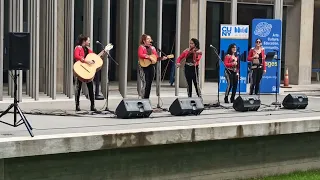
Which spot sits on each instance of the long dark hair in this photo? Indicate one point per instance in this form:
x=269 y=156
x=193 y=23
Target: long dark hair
x=196 y=42
x=81 y=39
x=229 y=51
x=143 y=38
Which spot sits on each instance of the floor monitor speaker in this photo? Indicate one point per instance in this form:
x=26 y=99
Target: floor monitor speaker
x=134 y=108
x=186 y=106
x=295 y=101
x=246 y=103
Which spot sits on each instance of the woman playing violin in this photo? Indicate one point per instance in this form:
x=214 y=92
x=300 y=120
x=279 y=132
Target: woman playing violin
x=192 y=55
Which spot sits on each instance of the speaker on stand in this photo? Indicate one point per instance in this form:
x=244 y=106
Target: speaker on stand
x=17 y=52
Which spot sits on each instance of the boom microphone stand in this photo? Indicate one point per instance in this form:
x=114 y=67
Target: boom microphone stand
x=277 y=103
x=219 y=62
x=16 y=109
x=107 y=95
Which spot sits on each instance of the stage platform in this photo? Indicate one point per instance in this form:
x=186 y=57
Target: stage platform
x=220 y=143
x=67 y=131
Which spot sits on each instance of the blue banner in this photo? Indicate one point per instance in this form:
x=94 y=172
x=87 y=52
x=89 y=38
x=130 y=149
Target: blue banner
x=269 y=31
x=239 y=35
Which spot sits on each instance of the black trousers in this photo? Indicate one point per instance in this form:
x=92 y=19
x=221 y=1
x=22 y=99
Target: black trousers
x=97 y=79
x=232 y=80
x=256 y=76
x=148 y=73
x=90 y=89
x=192 y=74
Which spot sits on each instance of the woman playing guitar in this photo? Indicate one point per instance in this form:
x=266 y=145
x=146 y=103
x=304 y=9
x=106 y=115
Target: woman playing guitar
x=145 y=52
x=80 y=52
x=192 y=55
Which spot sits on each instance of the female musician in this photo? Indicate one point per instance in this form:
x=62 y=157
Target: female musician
x=192 y=55
x=231 y=72
x=258 y=68
x=145 y=50
x=80 y=52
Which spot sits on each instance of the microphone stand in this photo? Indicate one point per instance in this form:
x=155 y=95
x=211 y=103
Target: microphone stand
x=107 y=95
x=159 y=77
x=277 y=103
x=220 y=61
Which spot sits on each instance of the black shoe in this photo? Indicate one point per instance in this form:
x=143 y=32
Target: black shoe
x=98 y=97
x=231 y=99
x=226 y=99
x=92 y=108
x=78 y=108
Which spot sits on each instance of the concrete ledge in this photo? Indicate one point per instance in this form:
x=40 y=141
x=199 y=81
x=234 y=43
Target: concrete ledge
x=78 y=142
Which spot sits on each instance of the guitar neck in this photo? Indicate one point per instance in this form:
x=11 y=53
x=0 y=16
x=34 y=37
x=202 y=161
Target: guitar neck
x=101 y=53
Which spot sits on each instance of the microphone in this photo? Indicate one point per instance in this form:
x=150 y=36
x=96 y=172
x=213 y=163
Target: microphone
x=98 y=42
x=211 y=46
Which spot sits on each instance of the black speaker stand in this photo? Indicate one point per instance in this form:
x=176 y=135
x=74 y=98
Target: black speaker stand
x=16 y=109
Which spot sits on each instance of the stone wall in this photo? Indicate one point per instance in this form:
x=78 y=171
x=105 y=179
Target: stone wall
x=221 y=159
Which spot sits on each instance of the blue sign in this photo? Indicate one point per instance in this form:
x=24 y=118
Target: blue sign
x=269 y=31
x=239 y=35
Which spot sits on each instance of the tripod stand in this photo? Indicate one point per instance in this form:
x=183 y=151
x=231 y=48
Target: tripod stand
x=16 y=109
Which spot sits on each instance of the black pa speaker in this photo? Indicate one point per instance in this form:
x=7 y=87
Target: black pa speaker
x=246 y=103
x=17 y=51
x=186 y=106
x=295 y=101
x=134 y=108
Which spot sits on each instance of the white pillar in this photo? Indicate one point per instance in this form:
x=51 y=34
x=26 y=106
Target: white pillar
x=234 y=11
x=142 y=21
x=202 y=38
x=106 y=11
x=123 y=45
x=278 y=9
x=1 y=45
x=299 y=41
x=177 y=46
x=69 y=46
x=159 y=44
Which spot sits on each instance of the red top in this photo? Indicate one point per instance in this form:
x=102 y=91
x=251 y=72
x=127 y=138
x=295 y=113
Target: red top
x=79 y=54
x=251 y=54
x=228 y=62
x=196 y=56
x=143 y=53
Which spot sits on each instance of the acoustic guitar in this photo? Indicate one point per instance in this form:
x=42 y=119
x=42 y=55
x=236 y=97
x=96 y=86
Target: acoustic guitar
x=152 y=60
x=86 y=72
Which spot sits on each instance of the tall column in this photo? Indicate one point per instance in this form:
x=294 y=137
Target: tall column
x=106 y=21
x=234 y=12
x=1 y=47
x=88 y=27
x=69 y=47
x=16 y=25
x=202 y=12
x=177 y=45
x=142 y=21
x=278 y=9
x=299 y=39
x=48 y=47
x=123 y=45
x=34 y=29
x=159 y=38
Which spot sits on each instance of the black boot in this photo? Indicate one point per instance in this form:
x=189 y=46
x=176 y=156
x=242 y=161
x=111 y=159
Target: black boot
x=92 y=108
x=226 y=99
x=78 y=107
x=251 y=90
x=232 y=98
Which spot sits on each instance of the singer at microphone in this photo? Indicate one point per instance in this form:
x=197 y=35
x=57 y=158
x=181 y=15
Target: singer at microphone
x=231 y=61
x=258 y=68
